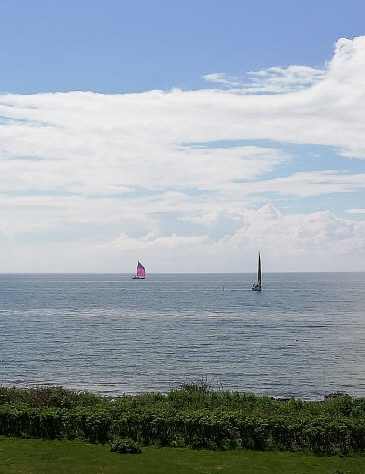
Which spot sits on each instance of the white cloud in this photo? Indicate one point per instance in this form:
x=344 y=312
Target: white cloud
x=274 y=80
x=151 y=241
x=312 y=183
x=227 y=81
x=143 y=173
x=319 y=240
x=355 y=211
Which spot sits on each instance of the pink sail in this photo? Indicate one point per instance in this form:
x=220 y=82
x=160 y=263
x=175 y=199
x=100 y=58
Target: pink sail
x=141 y=271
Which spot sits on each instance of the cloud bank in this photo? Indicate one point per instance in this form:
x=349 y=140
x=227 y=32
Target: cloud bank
x=188 y=180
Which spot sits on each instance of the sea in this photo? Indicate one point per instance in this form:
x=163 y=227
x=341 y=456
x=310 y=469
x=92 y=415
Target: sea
x=302 y=336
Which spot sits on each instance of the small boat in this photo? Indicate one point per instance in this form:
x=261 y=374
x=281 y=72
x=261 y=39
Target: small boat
x=140 y=273
x=257 y=286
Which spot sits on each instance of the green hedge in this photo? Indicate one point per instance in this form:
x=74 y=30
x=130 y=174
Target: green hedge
x=200 y=429
x=190 y=417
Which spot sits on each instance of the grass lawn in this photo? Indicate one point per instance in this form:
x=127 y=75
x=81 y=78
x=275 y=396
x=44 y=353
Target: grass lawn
x=34 y=456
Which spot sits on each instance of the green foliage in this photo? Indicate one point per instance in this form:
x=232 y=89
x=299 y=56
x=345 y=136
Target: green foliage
x=204 y=385
x=193 y=416
x=125 y=446
x=55 y=397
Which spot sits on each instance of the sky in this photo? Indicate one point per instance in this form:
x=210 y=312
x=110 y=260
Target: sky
x=189 y=135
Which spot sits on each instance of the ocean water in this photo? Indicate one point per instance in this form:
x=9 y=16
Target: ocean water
x=302 y=336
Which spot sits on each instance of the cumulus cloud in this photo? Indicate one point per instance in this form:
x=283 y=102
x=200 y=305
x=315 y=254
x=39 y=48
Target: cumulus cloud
x=320 y=240
x=180 y=169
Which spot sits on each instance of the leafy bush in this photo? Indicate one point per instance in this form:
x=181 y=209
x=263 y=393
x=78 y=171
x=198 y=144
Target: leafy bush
x=125 y=446
x=53 y=397
x=203 y=385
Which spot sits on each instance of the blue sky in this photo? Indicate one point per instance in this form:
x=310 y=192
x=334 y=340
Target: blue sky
x=185 y=134
x=132 y=46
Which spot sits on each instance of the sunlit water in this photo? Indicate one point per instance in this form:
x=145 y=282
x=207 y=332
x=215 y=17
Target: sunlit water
x=302 y=336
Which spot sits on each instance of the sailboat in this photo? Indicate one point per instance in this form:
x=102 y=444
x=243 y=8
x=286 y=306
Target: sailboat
x=140 y=273
x=257 y=286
